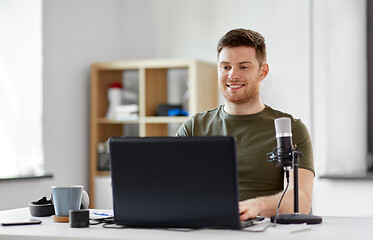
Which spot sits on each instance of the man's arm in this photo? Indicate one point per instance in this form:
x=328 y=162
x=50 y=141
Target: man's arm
x=266 y=206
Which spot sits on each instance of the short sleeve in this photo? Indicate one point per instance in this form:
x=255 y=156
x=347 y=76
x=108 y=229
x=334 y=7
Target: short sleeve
x=185 y=129
x=302 y=139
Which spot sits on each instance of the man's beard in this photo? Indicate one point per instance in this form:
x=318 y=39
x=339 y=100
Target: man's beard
x=242 y=99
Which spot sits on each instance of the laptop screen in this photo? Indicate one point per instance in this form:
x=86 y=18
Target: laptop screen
x=188 y=182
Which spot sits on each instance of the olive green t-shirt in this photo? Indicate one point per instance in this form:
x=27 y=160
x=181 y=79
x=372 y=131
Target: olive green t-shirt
x=255 y=137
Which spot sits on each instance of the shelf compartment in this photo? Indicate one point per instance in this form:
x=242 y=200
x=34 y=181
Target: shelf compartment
x=101 y=83
x=165 y=86
x=155 y=90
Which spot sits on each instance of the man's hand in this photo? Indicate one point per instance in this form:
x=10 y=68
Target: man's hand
x=249 y=209
x=266 y=206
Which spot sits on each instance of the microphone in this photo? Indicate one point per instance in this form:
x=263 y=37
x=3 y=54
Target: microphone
x=284 y=142
x=287 y=156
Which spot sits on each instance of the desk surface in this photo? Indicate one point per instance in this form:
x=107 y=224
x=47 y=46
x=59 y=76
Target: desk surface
x=332 y=227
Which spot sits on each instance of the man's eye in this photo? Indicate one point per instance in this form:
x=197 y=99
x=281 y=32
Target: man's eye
x=244 y=68
x=225 y=67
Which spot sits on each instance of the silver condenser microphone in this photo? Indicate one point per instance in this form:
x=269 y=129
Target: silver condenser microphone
x=284 y=142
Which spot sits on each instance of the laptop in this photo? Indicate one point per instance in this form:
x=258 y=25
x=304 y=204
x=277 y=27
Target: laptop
x=175 y=182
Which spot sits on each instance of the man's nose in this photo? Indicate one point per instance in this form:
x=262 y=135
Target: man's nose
x=233 y=74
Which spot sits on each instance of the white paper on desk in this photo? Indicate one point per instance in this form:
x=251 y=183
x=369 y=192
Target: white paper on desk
x=289 y=228
x=100 y=214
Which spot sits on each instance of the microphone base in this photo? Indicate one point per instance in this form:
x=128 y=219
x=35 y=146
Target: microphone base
x=296 y=218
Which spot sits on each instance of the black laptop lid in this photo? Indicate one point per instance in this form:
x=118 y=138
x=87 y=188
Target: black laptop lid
x=175 y=182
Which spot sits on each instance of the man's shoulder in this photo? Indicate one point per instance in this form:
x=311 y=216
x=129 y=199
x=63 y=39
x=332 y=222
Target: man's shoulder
x=277 y=113
x=195 y=125
x=296 y=123
x=211 y=113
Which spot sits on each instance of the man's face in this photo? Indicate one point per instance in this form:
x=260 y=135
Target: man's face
x=239 y=74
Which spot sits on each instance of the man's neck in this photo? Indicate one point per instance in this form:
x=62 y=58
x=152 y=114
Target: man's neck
x=243 y=108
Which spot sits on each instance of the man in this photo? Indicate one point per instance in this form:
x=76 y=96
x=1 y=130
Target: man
x=241 y=68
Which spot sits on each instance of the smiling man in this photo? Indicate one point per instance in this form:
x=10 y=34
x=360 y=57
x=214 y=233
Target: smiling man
x=240 y=75
x=241 y=68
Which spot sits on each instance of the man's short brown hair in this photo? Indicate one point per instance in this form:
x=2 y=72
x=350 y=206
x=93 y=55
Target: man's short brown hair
x=244 y=37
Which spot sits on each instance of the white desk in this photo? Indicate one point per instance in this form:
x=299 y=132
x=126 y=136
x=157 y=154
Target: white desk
x=331 y=228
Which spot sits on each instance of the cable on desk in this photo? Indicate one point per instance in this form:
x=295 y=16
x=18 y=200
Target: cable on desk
x=106 y=223
x=283 y=194
x=259 y=230
x=109 y=220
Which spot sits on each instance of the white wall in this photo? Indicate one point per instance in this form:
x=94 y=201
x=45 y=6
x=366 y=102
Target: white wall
x=340 y=83
x=78 y=32
x=339 y=106
x=193 y=28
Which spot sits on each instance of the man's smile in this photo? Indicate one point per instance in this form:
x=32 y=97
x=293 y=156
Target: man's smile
x=235 y=86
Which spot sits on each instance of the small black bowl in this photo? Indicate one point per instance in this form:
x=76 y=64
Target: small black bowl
x=41 y=210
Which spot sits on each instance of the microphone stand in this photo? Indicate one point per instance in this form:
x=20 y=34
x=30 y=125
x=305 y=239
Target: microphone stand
x=296 y=217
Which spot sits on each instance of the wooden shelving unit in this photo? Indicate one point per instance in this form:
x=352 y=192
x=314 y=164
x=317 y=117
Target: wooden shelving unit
x=152 y=91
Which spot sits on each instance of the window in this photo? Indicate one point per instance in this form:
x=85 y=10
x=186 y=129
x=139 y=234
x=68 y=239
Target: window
x=21 y=152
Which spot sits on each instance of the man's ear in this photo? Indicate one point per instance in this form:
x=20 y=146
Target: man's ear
x=264 y=70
